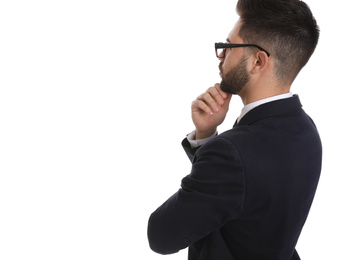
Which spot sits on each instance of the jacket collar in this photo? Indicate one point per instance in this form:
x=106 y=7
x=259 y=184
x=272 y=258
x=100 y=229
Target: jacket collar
x=270 y=109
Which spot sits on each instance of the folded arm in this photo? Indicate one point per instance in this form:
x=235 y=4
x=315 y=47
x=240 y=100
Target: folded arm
x=211 y=195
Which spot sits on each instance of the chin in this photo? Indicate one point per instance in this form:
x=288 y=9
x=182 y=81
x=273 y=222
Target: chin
x=227 y=88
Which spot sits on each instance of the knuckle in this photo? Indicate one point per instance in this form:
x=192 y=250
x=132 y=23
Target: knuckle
x=203 y=106
x=207 y=96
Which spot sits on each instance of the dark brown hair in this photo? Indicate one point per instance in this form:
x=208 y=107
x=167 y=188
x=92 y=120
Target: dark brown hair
x=285 y=28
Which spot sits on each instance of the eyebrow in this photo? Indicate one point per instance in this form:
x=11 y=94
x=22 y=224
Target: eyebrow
x=227 y=40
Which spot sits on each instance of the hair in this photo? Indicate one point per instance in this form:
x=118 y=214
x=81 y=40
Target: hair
x=285 y=28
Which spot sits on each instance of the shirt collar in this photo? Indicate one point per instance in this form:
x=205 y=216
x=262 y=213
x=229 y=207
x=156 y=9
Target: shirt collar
x=252 y=105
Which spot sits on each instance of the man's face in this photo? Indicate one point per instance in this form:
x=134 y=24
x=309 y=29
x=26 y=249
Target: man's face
x=233 y=66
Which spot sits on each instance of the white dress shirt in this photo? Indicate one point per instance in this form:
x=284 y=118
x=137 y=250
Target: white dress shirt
x=195 y=143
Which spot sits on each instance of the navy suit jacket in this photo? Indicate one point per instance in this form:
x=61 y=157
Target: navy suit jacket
x=249 y=191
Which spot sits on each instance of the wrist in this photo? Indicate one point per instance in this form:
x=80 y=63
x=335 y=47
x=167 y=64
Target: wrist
x=204 y=134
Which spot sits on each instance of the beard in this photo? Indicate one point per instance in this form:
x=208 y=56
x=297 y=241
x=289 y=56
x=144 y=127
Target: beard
x=235 y=79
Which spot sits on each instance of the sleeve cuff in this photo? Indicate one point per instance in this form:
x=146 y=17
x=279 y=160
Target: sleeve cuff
x=196 y=143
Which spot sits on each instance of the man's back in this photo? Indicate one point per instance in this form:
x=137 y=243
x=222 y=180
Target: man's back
x=281 y=155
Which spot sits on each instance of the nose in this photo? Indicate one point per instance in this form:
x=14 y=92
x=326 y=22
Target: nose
x=222 y=59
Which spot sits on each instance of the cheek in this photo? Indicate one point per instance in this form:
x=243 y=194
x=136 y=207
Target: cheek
x=226 y=65
x=231 y=60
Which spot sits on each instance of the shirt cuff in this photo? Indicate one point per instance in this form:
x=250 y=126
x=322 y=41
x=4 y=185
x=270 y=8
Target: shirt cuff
x=196 y=143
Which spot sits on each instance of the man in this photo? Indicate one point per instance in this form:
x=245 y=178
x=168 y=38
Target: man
x=250 y=188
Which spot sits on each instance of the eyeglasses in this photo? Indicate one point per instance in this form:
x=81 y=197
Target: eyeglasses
x=220 y=48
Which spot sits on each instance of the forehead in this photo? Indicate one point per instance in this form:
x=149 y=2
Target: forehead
x=233 y=36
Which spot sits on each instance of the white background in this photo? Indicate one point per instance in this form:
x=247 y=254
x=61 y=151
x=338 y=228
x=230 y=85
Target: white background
x=95 y=99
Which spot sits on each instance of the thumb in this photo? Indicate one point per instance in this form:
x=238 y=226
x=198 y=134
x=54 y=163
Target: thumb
x=227 y=100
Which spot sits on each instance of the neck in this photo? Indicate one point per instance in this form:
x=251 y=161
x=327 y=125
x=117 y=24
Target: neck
x=260 y=92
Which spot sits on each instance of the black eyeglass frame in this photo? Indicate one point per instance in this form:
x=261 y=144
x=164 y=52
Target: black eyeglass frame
x=220 y=45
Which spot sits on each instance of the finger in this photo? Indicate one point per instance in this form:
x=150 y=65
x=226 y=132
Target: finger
x=222 y=93
x=215 y=93
x=210 y=101
x=201 y=105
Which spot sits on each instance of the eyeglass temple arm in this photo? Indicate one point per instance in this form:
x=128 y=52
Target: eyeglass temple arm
x=234 y=45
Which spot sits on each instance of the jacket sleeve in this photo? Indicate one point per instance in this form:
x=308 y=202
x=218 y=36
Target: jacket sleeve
x=210 y=196
x=190 y=151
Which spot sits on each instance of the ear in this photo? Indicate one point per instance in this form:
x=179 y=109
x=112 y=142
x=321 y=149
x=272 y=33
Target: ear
x=260 y=62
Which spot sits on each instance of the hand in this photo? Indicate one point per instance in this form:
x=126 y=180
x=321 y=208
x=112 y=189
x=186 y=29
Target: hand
x=209 y=111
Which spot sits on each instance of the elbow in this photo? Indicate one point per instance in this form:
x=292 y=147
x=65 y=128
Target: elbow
x=159 y=240
x=159 y=247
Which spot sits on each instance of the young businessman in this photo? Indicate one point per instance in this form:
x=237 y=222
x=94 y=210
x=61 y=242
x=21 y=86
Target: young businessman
x=250 y=188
